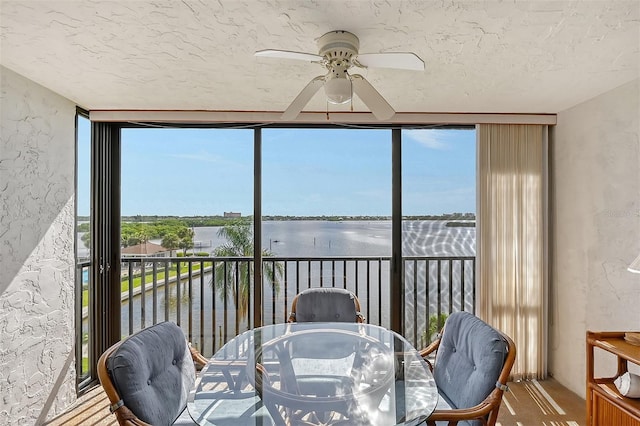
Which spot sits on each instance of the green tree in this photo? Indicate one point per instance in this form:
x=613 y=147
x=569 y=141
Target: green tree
x=86 y=239
x=132 y=233
x=171 y=242
x=240 y=244
x=436 y=322
x=135 y=233
x=185 y=237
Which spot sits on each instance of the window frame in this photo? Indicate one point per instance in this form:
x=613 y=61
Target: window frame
x=106 y=212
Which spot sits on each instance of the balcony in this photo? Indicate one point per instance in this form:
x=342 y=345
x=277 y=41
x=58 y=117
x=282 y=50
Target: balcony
x=434 y=287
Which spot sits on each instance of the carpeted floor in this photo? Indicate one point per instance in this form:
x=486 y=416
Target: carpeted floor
x=541 y=403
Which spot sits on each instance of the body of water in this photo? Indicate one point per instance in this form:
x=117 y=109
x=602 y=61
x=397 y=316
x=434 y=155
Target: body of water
x=318 y=239
x=347 y=238
x=315 y=238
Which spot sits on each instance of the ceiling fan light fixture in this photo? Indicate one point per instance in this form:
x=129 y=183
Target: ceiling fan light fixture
x=338 y=90
x=338 y=52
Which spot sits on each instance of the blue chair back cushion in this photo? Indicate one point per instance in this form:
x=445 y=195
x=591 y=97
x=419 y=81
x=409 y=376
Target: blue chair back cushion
x=326 y=305
x=153 y=372
x=469 y=360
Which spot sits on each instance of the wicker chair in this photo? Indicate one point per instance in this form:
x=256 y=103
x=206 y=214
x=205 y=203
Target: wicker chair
x=472 y=365
x=325 y=304
x=148 y=376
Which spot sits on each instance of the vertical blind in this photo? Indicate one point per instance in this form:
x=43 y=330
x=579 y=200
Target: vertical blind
x=512 y=239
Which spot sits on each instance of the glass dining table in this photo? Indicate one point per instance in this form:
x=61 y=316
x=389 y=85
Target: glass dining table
x=314 y=374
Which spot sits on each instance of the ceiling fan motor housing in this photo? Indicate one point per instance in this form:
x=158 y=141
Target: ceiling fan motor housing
x=337 y=49
x=338 y=46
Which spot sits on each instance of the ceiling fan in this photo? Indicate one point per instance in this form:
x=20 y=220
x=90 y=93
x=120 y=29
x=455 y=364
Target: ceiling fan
x=338 y=52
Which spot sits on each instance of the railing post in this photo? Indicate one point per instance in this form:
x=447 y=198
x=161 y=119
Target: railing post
x=418 y=272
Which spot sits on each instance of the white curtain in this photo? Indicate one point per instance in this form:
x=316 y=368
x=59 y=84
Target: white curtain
x=511 y=242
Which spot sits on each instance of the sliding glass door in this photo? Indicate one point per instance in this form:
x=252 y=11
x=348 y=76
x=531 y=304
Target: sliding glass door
x=186 y=193
x=438 y=227
x=386 y=213
x=326 y=216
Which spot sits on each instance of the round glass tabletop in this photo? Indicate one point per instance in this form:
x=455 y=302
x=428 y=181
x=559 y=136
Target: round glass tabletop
x=314 y=373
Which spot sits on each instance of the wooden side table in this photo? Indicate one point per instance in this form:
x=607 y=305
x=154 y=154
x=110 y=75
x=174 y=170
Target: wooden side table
x=605 y=405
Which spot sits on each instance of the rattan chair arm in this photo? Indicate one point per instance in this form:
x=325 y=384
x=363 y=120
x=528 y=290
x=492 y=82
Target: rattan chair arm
x=477 y=412
x=127 y=418
x=198 y=358
x=433 y=347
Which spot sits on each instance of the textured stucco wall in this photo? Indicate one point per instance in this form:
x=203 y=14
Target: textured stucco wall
x=596 y=175
x=37 y=148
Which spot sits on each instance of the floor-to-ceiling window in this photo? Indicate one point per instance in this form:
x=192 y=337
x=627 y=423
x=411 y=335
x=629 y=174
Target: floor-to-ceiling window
x=326 y=215
x=438 y=227
x=328 y=201
x=83 y=226
x=181 y=189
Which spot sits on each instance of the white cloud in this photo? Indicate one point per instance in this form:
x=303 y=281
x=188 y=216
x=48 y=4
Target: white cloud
x=426 y=137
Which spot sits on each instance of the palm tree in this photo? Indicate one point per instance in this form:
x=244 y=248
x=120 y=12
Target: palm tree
x=170 y=241
x=436 y=322
x=185 y=239
x=240 y=244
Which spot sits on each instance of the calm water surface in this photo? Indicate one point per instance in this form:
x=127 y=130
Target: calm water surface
x=347 y=238
x=355 y=238
x=308 y=239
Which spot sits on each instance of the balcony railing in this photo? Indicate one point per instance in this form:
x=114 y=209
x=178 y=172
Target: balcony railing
x=204 y=300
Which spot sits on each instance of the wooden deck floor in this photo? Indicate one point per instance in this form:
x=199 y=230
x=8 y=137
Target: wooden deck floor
x=531 y=403
x=541 y=403
x=90 y=409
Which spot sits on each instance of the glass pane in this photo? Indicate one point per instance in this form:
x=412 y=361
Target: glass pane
x=326 y=204
x=180 y=187
x=438 y=228
x=83 y=209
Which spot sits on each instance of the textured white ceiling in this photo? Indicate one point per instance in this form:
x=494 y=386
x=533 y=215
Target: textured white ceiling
x=481 y=56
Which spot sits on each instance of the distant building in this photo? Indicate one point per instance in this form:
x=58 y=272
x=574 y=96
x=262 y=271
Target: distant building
x=232 y=214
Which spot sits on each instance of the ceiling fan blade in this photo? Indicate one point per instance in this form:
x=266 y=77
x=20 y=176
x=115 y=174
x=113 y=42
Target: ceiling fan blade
x=286 y=54
x=303 y=98
x=397 y=60
x=371 y=98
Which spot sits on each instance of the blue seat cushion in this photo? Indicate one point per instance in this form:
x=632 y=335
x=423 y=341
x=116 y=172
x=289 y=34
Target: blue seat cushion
x=153 y=372
x=326 y=305
x=469 y=360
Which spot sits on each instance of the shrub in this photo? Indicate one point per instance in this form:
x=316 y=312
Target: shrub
x=436 y=322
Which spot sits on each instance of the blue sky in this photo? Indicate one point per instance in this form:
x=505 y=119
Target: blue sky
x=187 y=172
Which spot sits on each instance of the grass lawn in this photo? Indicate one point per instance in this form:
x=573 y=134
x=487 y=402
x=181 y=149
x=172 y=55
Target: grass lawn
x=148 y=278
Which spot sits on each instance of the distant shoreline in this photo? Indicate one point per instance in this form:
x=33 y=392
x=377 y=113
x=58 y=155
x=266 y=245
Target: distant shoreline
x=461 y=224
x=216 y=220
